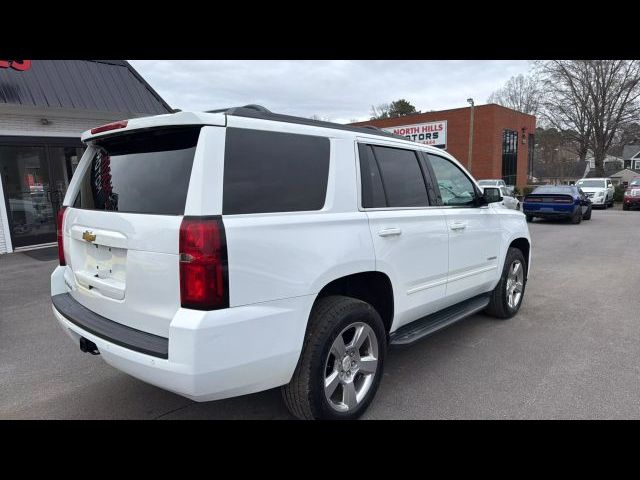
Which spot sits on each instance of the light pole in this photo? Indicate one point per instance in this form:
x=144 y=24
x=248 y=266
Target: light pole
x=553 y=156
x=469 y=161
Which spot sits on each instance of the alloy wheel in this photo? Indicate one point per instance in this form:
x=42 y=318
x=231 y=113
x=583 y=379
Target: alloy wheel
x=351 y=367
x=515 y=284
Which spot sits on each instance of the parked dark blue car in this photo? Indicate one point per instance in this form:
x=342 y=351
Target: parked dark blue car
x=557 y=201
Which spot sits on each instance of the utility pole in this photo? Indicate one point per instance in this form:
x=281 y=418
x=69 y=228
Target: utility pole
x=470 y=160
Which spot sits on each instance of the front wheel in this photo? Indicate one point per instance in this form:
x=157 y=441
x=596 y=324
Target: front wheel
x=341 y=363
x=507 y=297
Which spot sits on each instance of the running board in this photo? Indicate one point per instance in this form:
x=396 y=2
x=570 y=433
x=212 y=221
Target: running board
x=425 y=326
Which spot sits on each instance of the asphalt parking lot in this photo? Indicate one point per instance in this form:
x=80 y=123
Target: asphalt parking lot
x=573 y=351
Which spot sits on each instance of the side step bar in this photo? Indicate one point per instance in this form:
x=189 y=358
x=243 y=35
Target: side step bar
x=425 y=326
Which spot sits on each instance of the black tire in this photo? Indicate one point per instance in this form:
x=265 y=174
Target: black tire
x=577 y=217
x=587 y=216
x=529 y=218
x=498 y=306
x=625 y=207
x=304 y=395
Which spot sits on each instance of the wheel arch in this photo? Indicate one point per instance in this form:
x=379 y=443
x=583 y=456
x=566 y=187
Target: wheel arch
x=372 y=287
x=524 y=245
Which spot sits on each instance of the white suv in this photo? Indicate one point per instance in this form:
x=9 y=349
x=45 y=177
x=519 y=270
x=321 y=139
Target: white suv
x=219 y=254
x=600 y=191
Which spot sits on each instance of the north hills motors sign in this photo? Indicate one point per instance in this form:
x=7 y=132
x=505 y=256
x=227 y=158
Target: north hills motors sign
x=430 y=133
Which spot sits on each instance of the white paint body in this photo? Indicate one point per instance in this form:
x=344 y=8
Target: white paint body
x=278 y=263
x=599 y=196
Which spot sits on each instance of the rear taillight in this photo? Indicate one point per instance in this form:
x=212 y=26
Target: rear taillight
x=59 y=233
x=532 y=199
x=110 y=126
x=563 y=200
x=204 y=278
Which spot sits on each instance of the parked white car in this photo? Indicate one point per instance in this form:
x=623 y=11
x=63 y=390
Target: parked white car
x=599 y=190
x=220 y=254
x=496 y=183
x=508 y=200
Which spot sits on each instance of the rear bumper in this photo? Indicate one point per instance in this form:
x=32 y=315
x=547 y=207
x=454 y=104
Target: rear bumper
x=211 y=355
x=632 y=202
x=549 y=211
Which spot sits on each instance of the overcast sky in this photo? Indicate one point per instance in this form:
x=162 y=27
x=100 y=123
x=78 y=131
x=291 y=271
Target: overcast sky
x=340 y=91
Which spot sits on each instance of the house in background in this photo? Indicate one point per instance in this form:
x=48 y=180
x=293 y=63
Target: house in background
x=611 y=164
x=631 y=157
x=624 y=176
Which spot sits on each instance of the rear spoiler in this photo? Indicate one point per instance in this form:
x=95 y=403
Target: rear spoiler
x=166 y=120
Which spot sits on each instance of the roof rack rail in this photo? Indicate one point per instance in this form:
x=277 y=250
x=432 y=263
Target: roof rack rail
x=260 y=112
x=251 y=106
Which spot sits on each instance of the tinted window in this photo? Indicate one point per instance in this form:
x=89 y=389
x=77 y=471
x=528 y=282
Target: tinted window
x=372 y=190
x=456 y=189
x=559 y=189
x=401 y=177
x=140 y=172
x=274 y=172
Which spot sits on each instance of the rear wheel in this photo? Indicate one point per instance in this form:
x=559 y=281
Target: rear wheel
x=341 y=362
x=625 y=207
x=529 y=218
x=587 y=215
x=577 y=217
x=507 y=297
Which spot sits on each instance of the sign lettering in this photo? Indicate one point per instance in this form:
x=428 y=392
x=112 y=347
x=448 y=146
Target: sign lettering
x=20 y=65
x=430 y=133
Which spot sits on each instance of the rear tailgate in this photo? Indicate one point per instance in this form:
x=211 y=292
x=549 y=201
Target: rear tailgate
x=121 y=227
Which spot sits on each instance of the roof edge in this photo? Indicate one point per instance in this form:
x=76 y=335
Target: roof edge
x=146 y=84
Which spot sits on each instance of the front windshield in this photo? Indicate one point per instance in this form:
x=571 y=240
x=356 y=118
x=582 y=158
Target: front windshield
x=591 y=183
x=635 y=183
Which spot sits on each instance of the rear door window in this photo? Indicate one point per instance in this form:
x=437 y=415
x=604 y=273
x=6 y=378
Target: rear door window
x=372 y=191
x=401 y=177
x=146 y=172
x=267 y=172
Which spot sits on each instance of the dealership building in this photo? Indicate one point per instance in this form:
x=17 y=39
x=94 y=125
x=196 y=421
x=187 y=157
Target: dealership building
x=45 y=105
x=501 y=145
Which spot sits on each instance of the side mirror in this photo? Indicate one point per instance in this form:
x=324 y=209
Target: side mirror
x=492 y=195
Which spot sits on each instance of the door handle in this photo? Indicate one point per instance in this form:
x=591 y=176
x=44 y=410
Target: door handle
x=388 y=232
x=458 y=226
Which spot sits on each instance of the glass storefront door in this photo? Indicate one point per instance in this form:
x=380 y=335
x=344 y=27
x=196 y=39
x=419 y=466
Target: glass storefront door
x=35 y=179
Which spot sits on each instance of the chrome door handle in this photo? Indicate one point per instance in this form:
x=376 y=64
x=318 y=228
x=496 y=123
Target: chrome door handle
x=388 y=232
x=458 y=226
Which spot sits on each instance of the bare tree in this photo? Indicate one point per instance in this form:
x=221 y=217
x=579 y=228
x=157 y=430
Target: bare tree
x=521 y=93
x=380 y=111
x=315 y=116
x=592 y=100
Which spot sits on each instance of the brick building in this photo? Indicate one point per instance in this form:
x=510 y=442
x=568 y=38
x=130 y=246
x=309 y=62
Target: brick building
x=502 y=145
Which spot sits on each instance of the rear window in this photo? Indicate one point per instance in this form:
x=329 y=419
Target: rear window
x=591 y=183
x=144 y=172
x=268 y=172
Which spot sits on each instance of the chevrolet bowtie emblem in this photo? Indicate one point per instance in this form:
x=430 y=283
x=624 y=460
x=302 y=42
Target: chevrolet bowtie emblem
x=88 y=236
